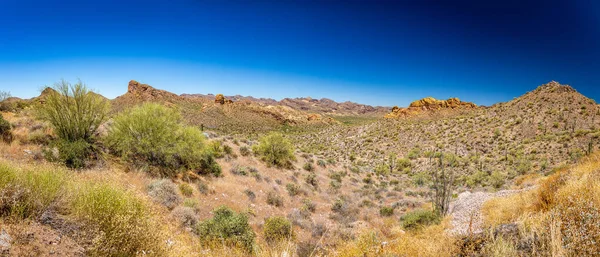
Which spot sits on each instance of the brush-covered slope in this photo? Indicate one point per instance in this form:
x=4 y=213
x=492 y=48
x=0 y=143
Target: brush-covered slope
x=547 y=127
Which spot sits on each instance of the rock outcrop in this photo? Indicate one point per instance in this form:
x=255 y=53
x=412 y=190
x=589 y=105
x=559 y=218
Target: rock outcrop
x=147 y=92
x=429 y=105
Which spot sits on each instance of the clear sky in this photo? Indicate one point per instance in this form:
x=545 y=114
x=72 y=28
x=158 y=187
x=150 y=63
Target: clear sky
x=374 y=52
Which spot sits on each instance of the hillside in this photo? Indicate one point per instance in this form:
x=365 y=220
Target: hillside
x=355 y=185
x=308 y=104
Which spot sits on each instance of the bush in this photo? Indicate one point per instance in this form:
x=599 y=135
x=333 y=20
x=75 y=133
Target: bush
x=5 y=130
x=308 y=206
x=275 y=150
x=227 y=227
x=419 y=218
x=153 y=135
x=186 y=189
x=308 y=166
x=292 y=189
x=245 y=151
x=277 y=229
x=74 y=112
x=124 y=222
x=74 y=154
x=311 y=179
x=386 y=211
x=164 y=192
x=274 y=199
x=186 y=216
x=216 y=148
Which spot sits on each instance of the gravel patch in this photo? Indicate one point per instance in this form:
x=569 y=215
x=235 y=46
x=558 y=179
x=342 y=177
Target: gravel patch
x=466 y=210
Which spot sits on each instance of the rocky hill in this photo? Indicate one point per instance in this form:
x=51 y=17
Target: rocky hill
x=431 y=106
x=307 y=104
x=545 y=128
x=221 y=113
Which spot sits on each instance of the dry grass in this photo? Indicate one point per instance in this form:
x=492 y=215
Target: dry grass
x=561 y=217
x=431 y=241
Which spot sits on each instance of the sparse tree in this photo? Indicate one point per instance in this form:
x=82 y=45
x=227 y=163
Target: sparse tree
x=4 y=95
x=443 y=182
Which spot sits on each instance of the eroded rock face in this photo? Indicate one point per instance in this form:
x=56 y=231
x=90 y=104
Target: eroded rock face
x=429 y=104
x=220 y=99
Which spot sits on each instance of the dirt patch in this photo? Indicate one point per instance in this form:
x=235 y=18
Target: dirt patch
x=34 y=239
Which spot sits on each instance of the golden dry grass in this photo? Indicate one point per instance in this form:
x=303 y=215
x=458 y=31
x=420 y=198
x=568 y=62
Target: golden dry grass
x=562 y=214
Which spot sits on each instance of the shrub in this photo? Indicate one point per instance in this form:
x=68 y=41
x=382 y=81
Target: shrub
x=74 y=154
x=311 y=179
x=251 y=195
x=186 y=189
x=227 y=227
x=216 y=148
x=321 y=163
x=5 y=130
x=274 y=199
x=419 y=218
x=74 y=112
x=275 y=150
x=308 y=206
x=124 y=222
x=153 y=135
x=386 y=211
x=292 y=189
x=186 y=216
x=239 y=170
x=277 y=229
x=497 y=179
x=227 y=149
x=245 y=151
x=164 y=192
x=308 y=166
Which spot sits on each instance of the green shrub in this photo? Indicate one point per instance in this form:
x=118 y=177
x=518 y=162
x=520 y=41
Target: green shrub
x=321 y=163
x=275 y=150
x=124 y=223
x=153 y=135
x=419 y=218
x=227 y=149
x=74 y=154
x=164 y=192
x=227 y=227
x=5 y=130
x=277 y=229
x=308 y=206
x=308 y=166
x=311 y=179
x=386 y=211
x=74 y=112
x=186 y=189
x=216 y=148
x=497 y=179
x=292 y=189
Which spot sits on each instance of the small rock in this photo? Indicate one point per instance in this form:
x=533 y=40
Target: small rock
x=5 y=242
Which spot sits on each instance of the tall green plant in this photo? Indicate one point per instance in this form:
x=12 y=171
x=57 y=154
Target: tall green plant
x=274 y=149
x=152 y=135
x=74 y=111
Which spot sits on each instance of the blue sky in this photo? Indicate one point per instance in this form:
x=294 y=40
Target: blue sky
x=374 y=52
